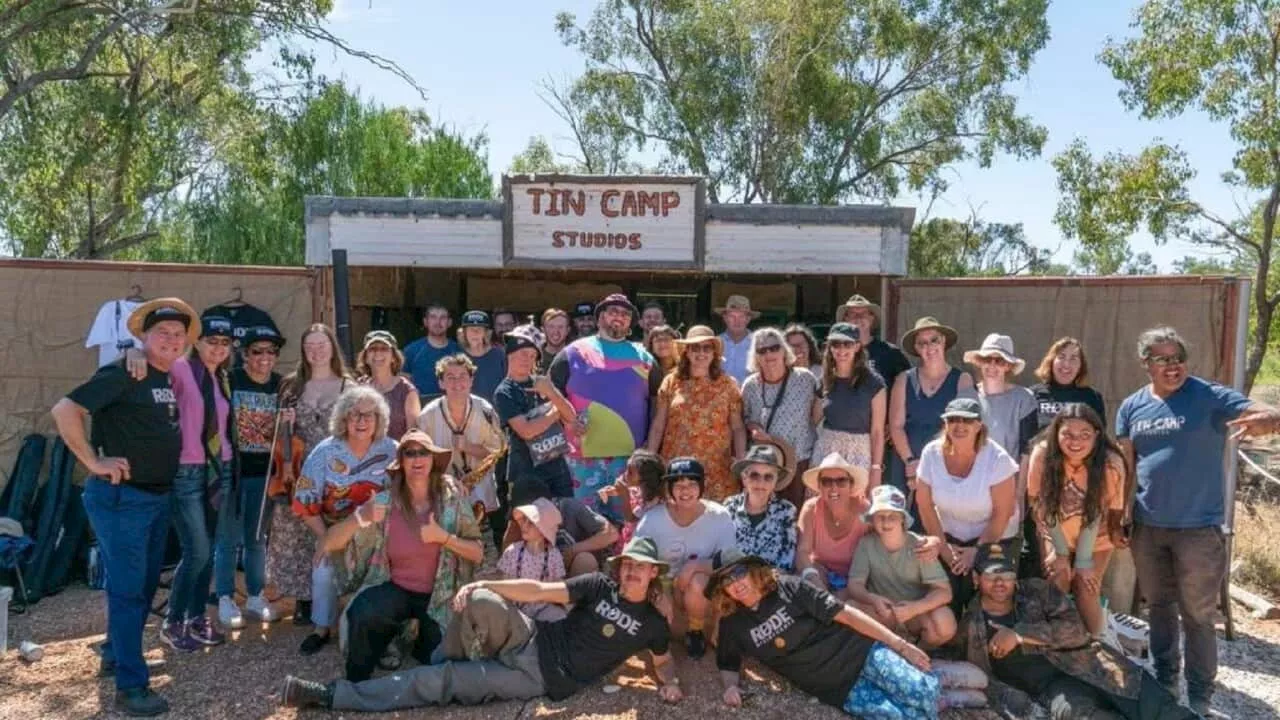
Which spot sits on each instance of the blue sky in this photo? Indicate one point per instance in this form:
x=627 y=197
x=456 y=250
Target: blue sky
x=481 y=67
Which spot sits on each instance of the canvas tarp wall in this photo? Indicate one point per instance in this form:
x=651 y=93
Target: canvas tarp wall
x=47 y=307
x=1105 y=314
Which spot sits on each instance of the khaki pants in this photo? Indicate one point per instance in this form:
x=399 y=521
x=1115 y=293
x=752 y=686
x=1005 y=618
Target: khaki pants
x=507 y=667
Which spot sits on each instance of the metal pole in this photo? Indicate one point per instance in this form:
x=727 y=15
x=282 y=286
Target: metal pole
x=1231 y=464
x=342 y=303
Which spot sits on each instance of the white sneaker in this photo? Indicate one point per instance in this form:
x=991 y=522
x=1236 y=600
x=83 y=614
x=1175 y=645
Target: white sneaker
x=257 y=605
x=229 y=614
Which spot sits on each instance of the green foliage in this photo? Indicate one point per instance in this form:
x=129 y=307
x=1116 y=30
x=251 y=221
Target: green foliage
x=807 y=101
x=538 y=157
x=943 y=247
x=326 y=142
x=1218 y=57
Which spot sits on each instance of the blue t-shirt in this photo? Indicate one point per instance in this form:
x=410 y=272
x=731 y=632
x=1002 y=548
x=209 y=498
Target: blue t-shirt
x=491 y=368
x=1178 y=443
x=420 y=358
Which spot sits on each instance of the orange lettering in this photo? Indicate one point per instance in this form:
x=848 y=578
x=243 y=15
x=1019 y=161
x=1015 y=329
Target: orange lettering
x=633 y=242
x=577 y=205
x=606 y=201
x=557 y=239
x=537 y=199
x=629 y=203
x=650 y=201
x=670 y=201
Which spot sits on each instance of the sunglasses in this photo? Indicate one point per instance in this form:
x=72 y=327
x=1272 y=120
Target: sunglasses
x=737 y=573
x=1001 y=576
x=841 y=343
x=418 y=452
x=929 y=342
x=1167 y=360
x=768 y=349
x=960 y=420
x=767 y=477
x=703 y=348
x=264 y=351
x=828 y=481
x=217 y=341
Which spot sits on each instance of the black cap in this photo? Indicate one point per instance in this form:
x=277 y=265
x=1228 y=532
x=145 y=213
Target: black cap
x=584 y=309
x=216 y=326
x=262 y=333
x=684 y=467
x=993 y=558
x=475 y=318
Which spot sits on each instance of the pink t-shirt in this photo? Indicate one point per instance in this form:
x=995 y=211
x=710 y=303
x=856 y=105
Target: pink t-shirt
x=191 y=413
x=413 y=562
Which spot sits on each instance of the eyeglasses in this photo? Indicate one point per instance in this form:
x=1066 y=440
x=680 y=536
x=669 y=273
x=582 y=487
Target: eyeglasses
x=768 y=349
x=1167 y=360
x=264 y=351
x=217 y=341
x=829 y=481
x=419 y=452
x=765 y=476
x=703 y=348
x=358 y=415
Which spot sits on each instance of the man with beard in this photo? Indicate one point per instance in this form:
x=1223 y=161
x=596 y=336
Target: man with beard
x=555 y=326
x=421 y=355
x=584 y=319
x=612 y=617
x=504 y=321
x=610 y=381
x=1174 y=432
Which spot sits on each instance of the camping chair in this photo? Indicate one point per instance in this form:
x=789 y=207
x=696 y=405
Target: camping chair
x=15 y=549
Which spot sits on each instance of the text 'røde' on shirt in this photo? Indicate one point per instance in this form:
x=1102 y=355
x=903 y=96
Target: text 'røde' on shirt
x=135 y=420
x=602 y=630
x=793 y=631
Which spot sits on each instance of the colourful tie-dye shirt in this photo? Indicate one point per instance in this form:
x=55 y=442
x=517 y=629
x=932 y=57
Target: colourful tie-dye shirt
x=334 y=482
x=611 y=381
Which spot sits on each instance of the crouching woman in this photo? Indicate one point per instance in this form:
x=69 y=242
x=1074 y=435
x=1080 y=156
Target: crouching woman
x=831 y=650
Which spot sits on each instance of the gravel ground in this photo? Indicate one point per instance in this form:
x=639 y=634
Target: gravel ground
x=242 y=678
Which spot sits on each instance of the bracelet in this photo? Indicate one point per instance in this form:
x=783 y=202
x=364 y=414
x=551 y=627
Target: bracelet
x=877 y=466
x=360 y=519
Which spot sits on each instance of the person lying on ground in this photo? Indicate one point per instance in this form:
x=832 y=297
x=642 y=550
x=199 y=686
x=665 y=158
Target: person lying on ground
x=828 y=649
x=1029 y=639
x=492 y=651
x=902 y=590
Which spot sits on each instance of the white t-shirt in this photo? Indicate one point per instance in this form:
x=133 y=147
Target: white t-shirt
x=110 y=330
x=712 y=531
x=964 y=503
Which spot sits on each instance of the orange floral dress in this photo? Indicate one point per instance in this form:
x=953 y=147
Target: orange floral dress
x=698 y=412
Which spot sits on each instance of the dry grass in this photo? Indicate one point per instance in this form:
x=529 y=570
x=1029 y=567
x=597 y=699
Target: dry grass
x=1256 y=548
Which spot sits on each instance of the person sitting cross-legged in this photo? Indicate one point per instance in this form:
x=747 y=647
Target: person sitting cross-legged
x=496 y=652
x=888 y=576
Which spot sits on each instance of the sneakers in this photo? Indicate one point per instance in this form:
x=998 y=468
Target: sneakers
x=229 y=613
x=140 y=702
x=257 y=606
x=204 y=632
x=697 y=644
x=175 y=635
x=299 y=693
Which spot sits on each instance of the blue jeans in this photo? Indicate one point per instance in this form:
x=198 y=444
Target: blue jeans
x=238 y=530
x=131 y=526
x=890 y=688
x=195 y=520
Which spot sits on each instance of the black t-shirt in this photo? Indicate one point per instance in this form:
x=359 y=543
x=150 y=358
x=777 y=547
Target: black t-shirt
x=1051 y=398
x=136 y=420
x=253 y=406
x=551 y=479
x=887 y=360
x=847 y=407
x=1029 y=672
x=794 y=633
x=602 y=630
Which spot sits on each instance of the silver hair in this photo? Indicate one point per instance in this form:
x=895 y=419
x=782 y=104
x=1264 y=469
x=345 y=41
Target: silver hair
x=768 y=332
x=349 y=401
x=1159 y=336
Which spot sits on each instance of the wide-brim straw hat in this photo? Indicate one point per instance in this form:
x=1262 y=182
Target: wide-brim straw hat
x=997 y=345
x=948 y=333
x=179 y=307
x=858 y=301
x=699 y=334
x=440 y=457
x=777 y=454
x=834 y=461
x=738 y=302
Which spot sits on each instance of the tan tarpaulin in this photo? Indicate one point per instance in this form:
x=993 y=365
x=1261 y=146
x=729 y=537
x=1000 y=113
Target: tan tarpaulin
x=46 y=308
x=1105 y=314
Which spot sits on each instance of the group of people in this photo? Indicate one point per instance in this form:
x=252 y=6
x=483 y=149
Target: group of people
x=833 y=511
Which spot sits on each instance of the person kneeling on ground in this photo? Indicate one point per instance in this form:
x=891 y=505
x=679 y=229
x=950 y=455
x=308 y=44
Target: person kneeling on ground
x=902 y=591
x=828 y=649
x=1029 y=638
x=496 y=652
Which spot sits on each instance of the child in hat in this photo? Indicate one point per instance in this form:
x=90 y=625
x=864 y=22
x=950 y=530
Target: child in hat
x=534 y=555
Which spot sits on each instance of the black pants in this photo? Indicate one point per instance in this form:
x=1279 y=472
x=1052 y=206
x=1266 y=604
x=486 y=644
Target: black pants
x=375 y=619
x=1070 y=699
x=498 y=518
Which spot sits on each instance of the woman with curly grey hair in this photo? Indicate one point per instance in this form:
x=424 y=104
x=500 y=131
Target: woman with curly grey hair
x=343 y=472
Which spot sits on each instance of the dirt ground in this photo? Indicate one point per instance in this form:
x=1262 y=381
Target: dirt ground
x=242 y=678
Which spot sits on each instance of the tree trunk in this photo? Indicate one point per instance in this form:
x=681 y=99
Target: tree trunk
x=1261 y=335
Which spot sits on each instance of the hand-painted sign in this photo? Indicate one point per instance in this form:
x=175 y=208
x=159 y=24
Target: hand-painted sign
x=590 y=221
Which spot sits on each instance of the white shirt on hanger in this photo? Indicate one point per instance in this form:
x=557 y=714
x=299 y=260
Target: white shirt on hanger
x=110 y=330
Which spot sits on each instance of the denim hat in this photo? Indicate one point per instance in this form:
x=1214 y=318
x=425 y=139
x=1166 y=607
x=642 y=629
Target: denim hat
x=887 y=498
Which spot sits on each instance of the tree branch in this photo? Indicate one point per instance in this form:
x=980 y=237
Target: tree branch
x=123 y=243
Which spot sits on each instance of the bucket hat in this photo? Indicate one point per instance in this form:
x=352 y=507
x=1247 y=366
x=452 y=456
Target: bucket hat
x=997 y=345
x=769 y=454
x=640 y=549
x=544 y=515
x=887 y=498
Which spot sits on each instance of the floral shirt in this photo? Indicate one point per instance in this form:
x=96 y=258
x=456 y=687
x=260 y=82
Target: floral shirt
x=698 y=413
x=773 y=538
x=334 y=482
